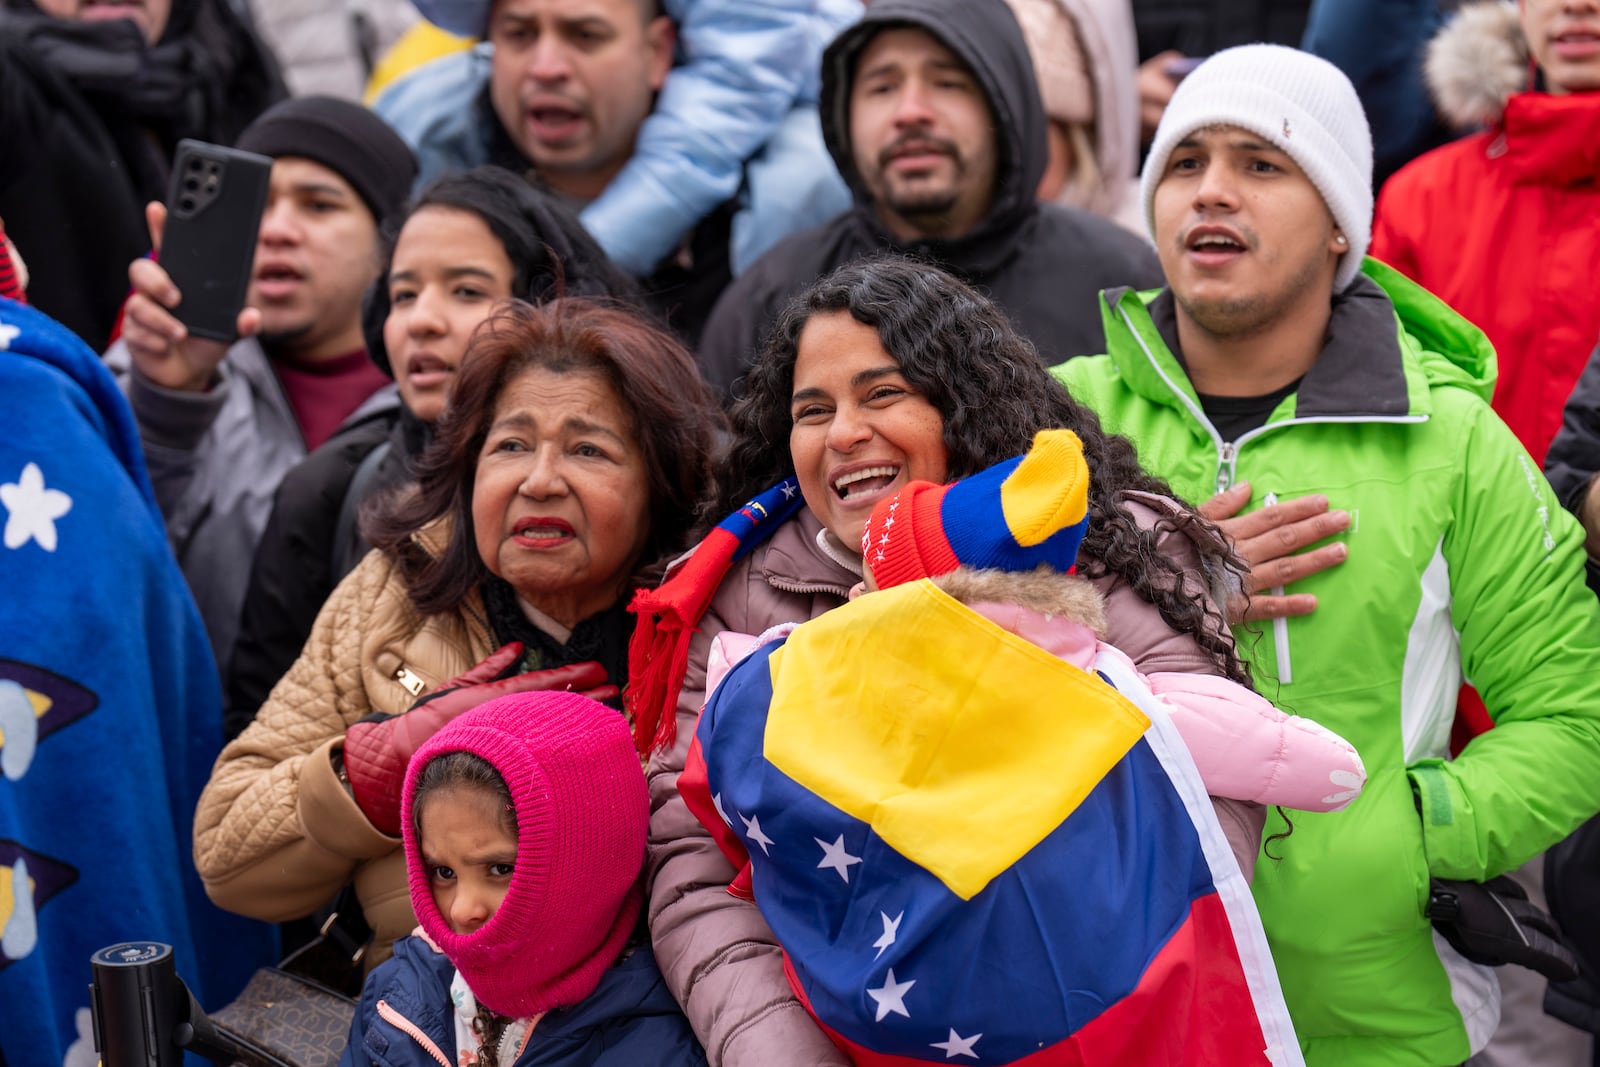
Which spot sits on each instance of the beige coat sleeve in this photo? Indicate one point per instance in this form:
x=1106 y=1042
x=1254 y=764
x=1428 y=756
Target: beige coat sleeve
x=715 y=951
x=276 y=832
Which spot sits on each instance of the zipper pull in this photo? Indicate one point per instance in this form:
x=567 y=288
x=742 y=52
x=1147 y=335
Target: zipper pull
x=1280 y=625
x=413 y=684
x=1225 y=458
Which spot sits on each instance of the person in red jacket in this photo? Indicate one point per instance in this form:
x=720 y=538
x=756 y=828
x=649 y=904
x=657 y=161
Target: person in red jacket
x=1502 y=224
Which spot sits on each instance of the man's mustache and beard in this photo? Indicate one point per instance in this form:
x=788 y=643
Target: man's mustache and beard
x=922 y=198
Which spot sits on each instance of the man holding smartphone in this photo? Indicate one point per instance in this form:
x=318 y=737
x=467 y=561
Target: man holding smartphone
x=221 y=424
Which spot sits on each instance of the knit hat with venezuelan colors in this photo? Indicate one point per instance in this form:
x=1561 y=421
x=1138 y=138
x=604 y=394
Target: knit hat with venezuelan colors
x=1015 y=516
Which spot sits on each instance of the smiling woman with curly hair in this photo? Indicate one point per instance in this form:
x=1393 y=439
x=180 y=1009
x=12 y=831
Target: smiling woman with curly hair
x=884 y=372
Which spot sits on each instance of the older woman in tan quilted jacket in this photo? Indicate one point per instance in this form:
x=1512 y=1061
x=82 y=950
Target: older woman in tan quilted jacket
x=577 y=445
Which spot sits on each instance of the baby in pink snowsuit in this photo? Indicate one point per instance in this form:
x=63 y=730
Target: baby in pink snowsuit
x=1004 y=542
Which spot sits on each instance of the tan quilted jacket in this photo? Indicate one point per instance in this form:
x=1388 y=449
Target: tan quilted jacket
x=276 y=833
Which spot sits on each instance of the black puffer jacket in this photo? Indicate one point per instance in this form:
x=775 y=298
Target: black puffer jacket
x=1045 y=264
x=91 y=115
x=1574 y=455
x=1571 y=887
x=1201 y=27
x=297 y=562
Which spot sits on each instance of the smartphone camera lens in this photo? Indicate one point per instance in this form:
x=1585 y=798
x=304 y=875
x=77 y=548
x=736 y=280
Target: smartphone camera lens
x=186 y=203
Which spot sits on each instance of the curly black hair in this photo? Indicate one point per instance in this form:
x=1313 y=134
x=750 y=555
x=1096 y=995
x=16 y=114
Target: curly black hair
x=958 y=349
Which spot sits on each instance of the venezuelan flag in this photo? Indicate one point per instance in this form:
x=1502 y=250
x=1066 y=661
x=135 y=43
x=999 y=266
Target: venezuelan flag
x=973 y=851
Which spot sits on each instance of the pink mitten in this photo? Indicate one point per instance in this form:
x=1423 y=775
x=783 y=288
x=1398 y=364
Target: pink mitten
x=1246 y=749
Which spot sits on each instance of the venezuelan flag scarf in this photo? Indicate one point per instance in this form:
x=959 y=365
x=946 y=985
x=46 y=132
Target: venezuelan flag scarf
x=658 y=651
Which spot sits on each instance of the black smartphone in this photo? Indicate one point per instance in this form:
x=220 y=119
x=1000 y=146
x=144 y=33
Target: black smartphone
x=214 y=204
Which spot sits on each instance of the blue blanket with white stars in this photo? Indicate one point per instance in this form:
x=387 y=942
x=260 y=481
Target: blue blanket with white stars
x=109 y=707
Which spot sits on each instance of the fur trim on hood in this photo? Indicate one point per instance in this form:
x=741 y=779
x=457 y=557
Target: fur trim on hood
x=1476 y=63
x=1047 y=591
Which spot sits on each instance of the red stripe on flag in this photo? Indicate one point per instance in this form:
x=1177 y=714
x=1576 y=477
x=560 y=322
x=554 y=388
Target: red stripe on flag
x=1192 y=1008
x=696 y=791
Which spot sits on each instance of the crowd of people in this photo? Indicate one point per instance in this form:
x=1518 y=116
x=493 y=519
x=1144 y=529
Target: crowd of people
x=811 y=533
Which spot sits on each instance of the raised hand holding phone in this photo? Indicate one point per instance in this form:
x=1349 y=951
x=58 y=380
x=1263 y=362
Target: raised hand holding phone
x=160 y=346
x=177 y=334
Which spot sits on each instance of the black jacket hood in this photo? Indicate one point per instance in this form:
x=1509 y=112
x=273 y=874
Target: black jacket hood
x=986 y=37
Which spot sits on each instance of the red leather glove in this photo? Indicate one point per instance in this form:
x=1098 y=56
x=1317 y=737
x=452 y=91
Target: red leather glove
x=377 y=749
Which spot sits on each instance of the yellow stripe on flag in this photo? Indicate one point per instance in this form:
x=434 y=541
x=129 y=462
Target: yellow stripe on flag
x=961 y=744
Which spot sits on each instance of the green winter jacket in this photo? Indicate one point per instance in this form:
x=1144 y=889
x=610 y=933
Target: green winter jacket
x=1462 y=566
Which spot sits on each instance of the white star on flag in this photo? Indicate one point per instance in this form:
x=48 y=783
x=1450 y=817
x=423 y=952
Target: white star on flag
x=891 y=927
x=34 y=510
x=716 y=802
x=835 y=856
x=8 y=333
x=957 y=1046
x=788 y=490
x=891 y=996
x=752 y=826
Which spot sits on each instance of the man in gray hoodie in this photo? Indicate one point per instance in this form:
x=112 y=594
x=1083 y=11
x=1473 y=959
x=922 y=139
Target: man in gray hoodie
x=222 y=424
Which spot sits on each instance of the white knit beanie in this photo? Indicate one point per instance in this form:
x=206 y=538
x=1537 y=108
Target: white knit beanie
x=1302 y=104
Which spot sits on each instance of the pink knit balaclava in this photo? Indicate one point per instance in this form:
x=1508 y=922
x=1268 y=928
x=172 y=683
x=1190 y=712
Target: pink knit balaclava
x=582 y=812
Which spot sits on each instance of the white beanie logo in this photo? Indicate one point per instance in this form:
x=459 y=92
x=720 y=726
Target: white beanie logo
x=1302 y=104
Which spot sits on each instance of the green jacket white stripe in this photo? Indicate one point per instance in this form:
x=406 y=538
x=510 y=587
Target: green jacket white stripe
x=1462 y=566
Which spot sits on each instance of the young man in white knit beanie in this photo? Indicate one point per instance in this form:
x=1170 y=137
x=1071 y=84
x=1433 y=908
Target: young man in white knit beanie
x=1330 y=399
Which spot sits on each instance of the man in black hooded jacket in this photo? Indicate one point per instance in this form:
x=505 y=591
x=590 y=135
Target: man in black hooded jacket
x=932 y=114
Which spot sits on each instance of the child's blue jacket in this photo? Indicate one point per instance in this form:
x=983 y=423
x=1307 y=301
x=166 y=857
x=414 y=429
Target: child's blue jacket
x=630 y=1020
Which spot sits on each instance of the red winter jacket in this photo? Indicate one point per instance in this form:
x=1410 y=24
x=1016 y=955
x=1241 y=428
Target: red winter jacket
x=1505 y=227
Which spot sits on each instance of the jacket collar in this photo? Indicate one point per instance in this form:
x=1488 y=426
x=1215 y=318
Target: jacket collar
x=794 y=562
x=630 y=989
x=1367 y=369
x=1553 y=140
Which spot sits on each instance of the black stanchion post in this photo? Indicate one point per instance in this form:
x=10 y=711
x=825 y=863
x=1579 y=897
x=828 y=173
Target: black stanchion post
x=135 y=998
